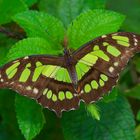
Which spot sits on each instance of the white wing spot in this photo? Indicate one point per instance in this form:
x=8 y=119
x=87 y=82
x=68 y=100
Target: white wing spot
x=26 y=57
x=116 y=64
x=135 y=43
x=111 y=69
x=28 y=88
x=103 y=36
x=2 y=80
x=135 y=40
x=35 y=90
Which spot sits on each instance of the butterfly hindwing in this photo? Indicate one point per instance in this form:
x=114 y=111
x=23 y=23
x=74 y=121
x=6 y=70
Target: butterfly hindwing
x=100 y=62
x=43 y=78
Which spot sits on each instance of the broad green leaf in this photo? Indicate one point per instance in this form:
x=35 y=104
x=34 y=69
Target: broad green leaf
x=116 y=123
x=8 y=8
x=134 y=92
x=92 y=24
x=30 y=46
x=5 y=45
x=68 y=10
x=138 y=115
x=30 y=117
x=30 y=2
x=112 y=96
x=9 y=129
x=131 y=8
x=39 y=24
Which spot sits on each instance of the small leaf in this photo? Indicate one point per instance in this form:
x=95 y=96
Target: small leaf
x=30 y=46
x=30 y=117
x=10 y=8
x=134 y=92
x=38 y=24
x=137 y=132
x=116 y=123
x=94 y=111
x=92 y=24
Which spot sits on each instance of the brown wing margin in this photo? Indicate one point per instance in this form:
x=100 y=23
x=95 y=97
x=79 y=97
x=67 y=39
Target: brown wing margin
x=35 y=89
x=111 y=69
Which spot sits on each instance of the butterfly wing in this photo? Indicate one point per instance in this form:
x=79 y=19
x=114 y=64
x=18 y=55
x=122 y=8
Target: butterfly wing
x=43 y=78
x=100 y=62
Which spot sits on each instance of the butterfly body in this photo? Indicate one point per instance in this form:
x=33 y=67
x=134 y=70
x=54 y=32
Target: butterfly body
x=70 y=65
x=60 y=83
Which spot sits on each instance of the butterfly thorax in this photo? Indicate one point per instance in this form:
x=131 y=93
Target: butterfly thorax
x=70 y=65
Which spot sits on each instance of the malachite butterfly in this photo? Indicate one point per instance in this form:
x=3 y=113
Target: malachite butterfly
x=60 y=83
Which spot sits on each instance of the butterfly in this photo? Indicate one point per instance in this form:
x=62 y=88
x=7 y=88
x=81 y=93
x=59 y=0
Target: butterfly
x=59 y=83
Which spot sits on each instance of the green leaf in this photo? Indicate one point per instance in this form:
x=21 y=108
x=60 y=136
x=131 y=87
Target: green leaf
x=30 y=117
x=112 y=96
x=92 y=24
x=30 y=46
x=39 y=24
x=134 y=92
x=138 y=116
x=132 y=13
x=116 y=123
x=10 y=8
x=67 y=10
x=8 y=123
x=30 y=2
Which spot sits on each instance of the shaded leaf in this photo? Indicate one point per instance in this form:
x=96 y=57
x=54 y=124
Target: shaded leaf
x=116 y=123
x=92 y=24
x=30 y=117
x=8 y=123
x=134 y=92
x=68 y=10
x=38 y=24
x=30 y=2
x=11 y=7
x=5 y=45
x=132 y=13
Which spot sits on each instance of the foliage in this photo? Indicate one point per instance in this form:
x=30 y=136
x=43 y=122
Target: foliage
x=116 y=123
x=44 y=25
